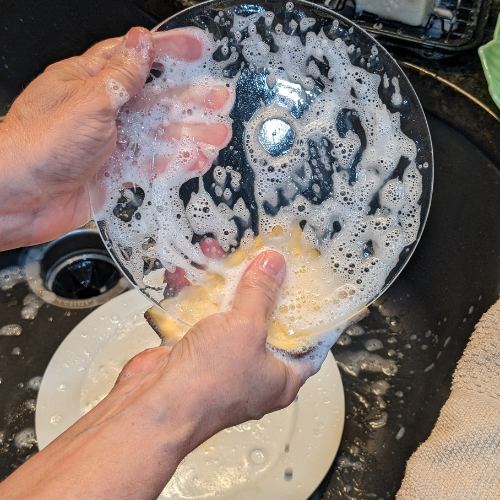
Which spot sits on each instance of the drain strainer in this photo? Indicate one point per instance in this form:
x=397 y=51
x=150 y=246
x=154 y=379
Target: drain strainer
x=74 y=271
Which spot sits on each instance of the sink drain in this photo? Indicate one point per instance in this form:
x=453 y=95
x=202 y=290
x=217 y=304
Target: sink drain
x=74 y=271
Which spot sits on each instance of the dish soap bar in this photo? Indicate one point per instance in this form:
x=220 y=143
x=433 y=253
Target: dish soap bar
x=413 y=12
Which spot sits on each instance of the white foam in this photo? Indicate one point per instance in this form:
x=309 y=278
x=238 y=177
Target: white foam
x=34 y=383
x=396 y=98
x=32 y=305
x=11 y=276
x=11 y=330
x=117 y=93
x=355 y=362
x=25 y=438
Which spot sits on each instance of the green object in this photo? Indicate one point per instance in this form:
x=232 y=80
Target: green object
x=490 y=59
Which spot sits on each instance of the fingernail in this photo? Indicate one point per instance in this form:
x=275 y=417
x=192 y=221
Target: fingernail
x=273 y=264
x=135 y=39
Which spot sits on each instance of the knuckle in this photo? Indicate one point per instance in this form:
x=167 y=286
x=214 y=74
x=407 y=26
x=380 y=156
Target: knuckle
x=259 y=325
x=240 y=322
x=268 y=288
x=185 y=350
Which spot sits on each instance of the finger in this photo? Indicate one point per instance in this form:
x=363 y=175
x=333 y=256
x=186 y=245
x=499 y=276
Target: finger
x=96 y=58
x=259 y=286
x=212 y=249
x=216 y=134
x=197 y=163
x=185 y=45
x=127 y=70
x=211 y=98
x=89 y=63
x=215 y=97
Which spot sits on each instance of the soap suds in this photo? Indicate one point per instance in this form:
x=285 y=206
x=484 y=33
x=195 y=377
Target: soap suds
x=11 y=330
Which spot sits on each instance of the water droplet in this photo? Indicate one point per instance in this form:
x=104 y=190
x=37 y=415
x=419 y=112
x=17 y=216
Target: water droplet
x=288 y=474
x=56 y=418
x=11 y=330
x=257 y=456
x=30 y=404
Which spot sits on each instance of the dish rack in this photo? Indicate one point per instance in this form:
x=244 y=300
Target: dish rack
x=453 y=26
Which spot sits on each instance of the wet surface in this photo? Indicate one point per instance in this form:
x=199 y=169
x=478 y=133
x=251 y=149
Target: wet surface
x=421 y=324
x=425 y=319
x=23 y=359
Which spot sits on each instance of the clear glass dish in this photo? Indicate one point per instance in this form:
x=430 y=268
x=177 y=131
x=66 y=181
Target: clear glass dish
x=327 y=158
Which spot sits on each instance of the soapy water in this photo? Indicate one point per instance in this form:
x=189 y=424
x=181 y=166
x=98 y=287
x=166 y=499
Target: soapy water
x=11 y=276
x=32 y=305
x=34 y=383
x=11 y=330
x=25 y=438
x=280 y=135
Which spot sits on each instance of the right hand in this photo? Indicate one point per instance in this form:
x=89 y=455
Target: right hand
x=228 y=374
x=167 y=401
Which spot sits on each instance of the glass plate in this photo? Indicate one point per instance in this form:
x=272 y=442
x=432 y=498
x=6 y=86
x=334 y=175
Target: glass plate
x=299 y=133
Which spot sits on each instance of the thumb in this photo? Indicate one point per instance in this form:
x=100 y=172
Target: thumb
x=125 y=73
x=259 y=286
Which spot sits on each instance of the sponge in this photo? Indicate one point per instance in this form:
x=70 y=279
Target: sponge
x=413 y=12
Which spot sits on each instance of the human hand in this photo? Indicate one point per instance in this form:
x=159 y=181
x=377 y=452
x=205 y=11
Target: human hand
x=223 y=361
x=60 y=131
x=167 y=401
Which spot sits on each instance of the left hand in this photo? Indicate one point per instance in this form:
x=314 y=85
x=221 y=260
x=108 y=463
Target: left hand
x=58 y=134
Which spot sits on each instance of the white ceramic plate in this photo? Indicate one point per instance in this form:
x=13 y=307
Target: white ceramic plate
x=287 y=453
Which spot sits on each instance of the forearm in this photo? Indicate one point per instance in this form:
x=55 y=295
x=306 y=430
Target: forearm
x=167 y=401
x=110 y=455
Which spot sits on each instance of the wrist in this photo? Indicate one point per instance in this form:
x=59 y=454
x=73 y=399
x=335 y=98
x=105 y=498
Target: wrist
x=17 y=203
x=176 y=417
x=121 y=448
x=197 y=405
x=16 y=159
x=32 y=210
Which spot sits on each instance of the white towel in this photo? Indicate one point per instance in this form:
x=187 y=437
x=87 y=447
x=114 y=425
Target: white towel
x=461 y=458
